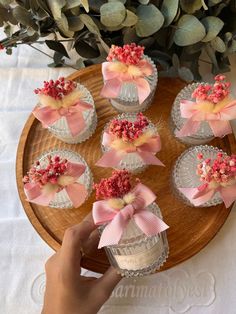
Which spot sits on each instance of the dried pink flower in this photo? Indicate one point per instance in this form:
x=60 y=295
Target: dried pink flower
x=50 y=174
x=128 y=54
x=56 y=89
x=221 y=169
x=114 y=187
x=213 y=93
x=126 y=130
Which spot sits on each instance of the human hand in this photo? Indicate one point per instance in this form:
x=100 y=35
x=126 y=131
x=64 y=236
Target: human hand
x=67 y=292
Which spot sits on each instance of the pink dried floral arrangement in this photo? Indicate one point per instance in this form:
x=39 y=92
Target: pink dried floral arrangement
x=126 y=130
x=213 y=93
x=128 y=54
x=221 y=170
x=50 y=174
x=56 y=89
x=114 y=187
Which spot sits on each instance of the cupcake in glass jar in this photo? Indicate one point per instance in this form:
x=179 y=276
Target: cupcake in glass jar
x=67 y=110
x=58 y=179
x=130 y=141
x=205 y=176
x=130 y=78
x=203 y=111
x=131 y=226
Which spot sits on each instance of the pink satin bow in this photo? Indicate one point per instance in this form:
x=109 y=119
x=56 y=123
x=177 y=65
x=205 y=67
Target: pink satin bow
x=73 y=115
x=219 y=122
x=117 y=220
x=146 y=151
x=203 y=194
x=114 y=80
x=45 y=194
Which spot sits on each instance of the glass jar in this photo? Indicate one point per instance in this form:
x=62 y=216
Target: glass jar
x=128 y=98
x=61 y=130
x=204 y=133
x=131 y=161
x=137 y=254
x=184 y=172
x=61 y=199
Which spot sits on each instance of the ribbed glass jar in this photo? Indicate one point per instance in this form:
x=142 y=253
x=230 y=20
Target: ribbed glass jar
x=61 y=130
x=137 y=254
x=61 y=199
x=128 y=99
x=184 y=172
x=131 y=161
x=204 y=133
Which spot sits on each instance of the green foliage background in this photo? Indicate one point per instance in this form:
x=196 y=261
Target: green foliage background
x=174 y=32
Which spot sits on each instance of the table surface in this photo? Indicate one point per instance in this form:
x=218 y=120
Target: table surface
x=205 y=283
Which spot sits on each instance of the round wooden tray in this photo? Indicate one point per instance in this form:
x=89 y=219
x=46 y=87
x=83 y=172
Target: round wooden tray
x=190 y=228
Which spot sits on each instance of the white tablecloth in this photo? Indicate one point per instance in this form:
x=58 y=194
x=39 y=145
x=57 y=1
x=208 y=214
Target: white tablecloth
x=205 y=283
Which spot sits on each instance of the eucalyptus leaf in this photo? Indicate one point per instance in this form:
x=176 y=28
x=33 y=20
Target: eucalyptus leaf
x=6 y=3
x=150 y=20
x=130 y=36
x=85 y=4
x=112 y=13
x=191 y=6
x=143 y=1
x=57 y=46
x=213 y=26
x=70 y=4
x=189 y=31
x=56 y=7
x=211 y=3
x=218 y=44
x=89 y=23
x=74 y=23
x=24 y=17
x=185 y=74
x=175 y=61
x=79 y=64
x=130 y=20
x=63 y=25
x=169 y=10
x=85 y=50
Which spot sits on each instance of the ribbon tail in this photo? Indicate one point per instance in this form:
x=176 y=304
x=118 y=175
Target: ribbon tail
x=195 y=197
x=46 y=115
x=75 y=169
x=77 y=193
x=228 y=194
x=190 y=127
x=149 y=223
x=143 y=88
x=41 y=196
x=75 y=122
x=112 y=233
x=150 y=159
x=111 y=88
x=111 y=158
x=220 y=128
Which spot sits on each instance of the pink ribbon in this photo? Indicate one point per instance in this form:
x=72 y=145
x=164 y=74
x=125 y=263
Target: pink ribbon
x=73 y=115
x=117 y=220
x=203 y=194
x=115 y=79
x=219 y=122
x=45 y=194
x=146 y=151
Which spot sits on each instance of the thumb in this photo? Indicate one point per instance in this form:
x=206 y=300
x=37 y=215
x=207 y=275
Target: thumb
x=108 y=281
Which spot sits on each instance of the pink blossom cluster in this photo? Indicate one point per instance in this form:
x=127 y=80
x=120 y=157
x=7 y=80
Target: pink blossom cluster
x=128 y=54
x=114 y=187
x=213 y=93
x=55 y=168
x=221 y=169
x=126 y=130
x=56 y=89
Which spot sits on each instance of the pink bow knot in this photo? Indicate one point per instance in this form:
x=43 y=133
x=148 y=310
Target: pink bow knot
x=218 y=121
x=146 y=151
x=73 y=114
x=117 y=220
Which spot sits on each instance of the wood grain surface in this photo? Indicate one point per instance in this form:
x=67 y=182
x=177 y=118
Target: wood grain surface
x=190 y=228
